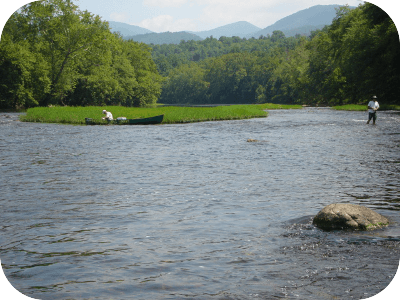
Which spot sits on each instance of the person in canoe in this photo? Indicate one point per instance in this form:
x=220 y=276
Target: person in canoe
x=109 y=116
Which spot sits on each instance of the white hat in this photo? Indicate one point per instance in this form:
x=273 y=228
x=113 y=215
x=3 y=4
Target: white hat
x=104 y=111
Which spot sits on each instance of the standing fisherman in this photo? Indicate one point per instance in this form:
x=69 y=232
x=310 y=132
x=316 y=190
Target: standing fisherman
x=373 y=106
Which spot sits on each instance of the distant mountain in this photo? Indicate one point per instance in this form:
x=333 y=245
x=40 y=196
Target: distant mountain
x=164 y=38
x=302 y=22
x=240 y=29
x=126 y=29
x=315 y=17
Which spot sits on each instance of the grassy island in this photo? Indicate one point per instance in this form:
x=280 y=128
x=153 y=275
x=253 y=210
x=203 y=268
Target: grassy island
x=172 y=114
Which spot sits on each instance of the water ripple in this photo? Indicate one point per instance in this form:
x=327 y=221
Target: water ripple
x=195 y=211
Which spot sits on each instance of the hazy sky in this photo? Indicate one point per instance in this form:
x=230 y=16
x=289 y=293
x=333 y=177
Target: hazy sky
x=194 y=15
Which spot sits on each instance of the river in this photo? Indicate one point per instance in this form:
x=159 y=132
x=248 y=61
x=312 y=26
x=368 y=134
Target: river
x=194 y=211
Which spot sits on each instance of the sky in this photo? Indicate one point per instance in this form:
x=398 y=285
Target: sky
x=194 y=15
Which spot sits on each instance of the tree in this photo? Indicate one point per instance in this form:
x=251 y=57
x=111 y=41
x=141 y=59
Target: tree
x=288 y=77
x=62 y=35
x=23 y=74
x=185 y=85
x=355 y=57
x=148 y=88
x=53 y=53
x=277 y=35
x=372 y=53
x=230 y=78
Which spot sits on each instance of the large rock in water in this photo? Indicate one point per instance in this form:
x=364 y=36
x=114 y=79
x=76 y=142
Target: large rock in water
x=349 y=216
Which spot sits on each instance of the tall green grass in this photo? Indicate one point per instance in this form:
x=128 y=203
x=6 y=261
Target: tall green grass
x=363 y=107
x=172 y=114
x=351 y=107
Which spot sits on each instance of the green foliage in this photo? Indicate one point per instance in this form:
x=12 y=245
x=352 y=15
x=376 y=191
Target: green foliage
x=239 y=76
x=23 y=75
x=171 y=56
x=230 y=79
x=351 y=107
x=185 y=85
x=358 y=107
x=54 y=54
x=288 y=79
x=356 y=57
x=172 y=114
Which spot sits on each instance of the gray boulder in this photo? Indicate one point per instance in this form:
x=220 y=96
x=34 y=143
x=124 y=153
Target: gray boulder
x=349 y=216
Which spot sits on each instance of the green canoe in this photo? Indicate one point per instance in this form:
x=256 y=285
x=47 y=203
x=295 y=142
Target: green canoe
x=144 y=121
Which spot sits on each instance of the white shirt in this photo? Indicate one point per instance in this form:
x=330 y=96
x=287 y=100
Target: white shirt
x=109 y=116
x=373 y=104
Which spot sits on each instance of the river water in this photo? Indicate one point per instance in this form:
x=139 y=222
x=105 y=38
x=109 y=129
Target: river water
x=195 y=211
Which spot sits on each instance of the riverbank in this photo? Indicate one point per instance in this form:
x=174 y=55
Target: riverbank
x=357 y=107
x=172 y=114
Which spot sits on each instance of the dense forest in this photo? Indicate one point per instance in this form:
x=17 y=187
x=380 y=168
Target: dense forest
x=51 y=53
x=347 y=62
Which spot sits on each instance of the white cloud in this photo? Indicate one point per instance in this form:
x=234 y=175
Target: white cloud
x=165 y=23
x=164 y=3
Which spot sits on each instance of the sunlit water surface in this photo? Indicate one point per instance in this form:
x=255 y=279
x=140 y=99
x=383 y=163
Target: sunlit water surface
x=196 y=211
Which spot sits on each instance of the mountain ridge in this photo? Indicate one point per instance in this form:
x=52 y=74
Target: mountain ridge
x=240 y=29
x=302 y=22
x=127 y=29
x=164 y=37
x=315 y=16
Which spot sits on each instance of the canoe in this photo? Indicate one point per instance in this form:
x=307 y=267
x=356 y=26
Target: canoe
x=143 y=121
